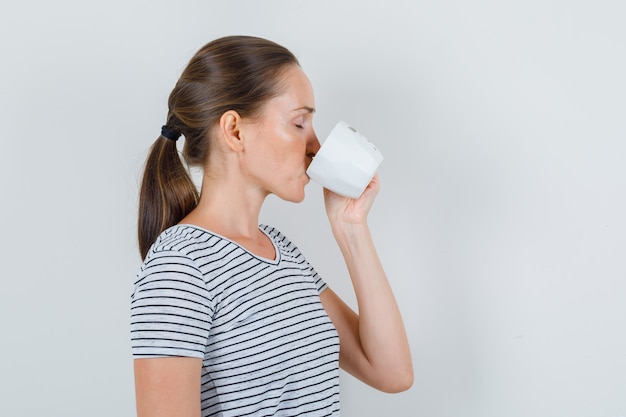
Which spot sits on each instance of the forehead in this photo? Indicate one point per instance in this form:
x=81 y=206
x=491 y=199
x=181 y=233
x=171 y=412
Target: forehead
x=296 y=90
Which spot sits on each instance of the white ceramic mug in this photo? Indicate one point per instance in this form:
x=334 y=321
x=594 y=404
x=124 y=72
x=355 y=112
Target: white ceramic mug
x=346 y=162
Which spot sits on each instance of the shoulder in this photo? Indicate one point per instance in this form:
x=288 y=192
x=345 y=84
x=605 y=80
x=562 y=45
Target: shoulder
x=275 y=234
x=291 y=254
x=180 y=238
x=174 y=256
x=281 y=240
x=195 y=244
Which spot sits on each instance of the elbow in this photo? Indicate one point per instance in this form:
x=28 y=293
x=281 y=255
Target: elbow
x=399 y=382
x=401 y=386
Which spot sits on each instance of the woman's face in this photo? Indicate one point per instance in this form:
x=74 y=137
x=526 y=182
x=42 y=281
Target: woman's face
x=281 y=141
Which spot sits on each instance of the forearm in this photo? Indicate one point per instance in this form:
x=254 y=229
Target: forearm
x=381 y=331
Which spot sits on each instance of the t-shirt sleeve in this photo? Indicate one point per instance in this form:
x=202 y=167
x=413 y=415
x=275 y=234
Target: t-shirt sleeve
x=171 y=308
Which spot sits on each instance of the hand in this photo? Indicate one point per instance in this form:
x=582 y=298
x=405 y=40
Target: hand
x=351 y=211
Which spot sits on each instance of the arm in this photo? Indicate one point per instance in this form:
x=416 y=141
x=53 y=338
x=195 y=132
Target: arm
x=171 y=316
x=168 y=387
x=374 y=346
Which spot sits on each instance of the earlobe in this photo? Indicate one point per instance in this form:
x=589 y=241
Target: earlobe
x=230 y=127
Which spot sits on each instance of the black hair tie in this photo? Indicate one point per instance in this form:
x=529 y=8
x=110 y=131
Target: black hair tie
x=169 y=133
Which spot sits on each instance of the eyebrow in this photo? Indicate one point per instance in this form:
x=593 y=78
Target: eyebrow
x=307 y=108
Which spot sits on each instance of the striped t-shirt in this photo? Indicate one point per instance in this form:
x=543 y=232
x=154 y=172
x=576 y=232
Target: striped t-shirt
x=267 y=344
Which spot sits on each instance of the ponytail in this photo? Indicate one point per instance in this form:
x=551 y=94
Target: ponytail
x=167 y=193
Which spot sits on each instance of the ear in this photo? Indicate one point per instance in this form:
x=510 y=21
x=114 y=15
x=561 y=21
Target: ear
x=230 y=129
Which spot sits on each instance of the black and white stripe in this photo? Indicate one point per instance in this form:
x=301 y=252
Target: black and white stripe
x=267 y=344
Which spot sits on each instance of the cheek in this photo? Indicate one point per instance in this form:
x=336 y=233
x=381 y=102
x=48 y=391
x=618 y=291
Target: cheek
x=299 y=147
x=291 y=149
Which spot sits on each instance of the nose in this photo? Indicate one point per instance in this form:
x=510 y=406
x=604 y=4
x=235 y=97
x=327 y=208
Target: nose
x=312 y=145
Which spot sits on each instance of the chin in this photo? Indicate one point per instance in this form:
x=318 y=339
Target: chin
x=294 y=197
x=294 y=193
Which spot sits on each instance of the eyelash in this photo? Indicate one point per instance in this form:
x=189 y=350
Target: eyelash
x=300 y=126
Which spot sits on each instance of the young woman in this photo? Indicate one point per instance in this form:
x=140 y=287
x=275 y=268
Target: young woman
x=228 y=318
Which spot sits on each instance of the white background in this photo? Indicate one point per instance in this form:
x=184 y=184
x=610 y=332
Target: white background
x=500 y=223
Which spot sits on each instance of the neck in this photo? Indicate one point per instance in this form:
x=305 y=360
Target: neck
x=228 y=207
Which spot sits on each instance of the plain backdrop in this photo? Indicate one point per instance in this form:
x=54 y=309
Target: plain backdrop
x=501 y=220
